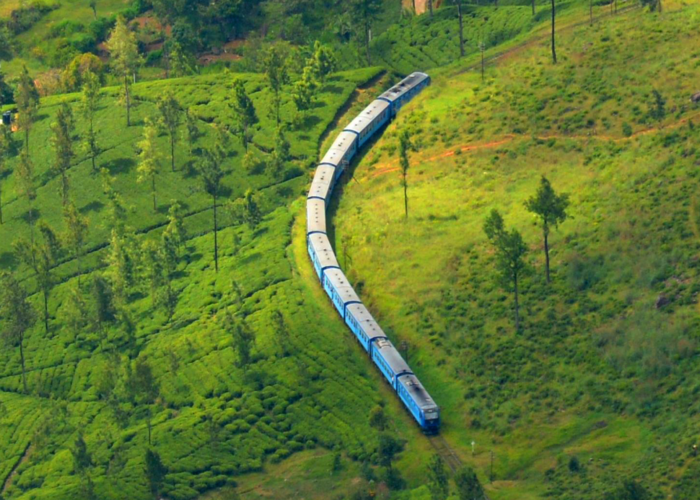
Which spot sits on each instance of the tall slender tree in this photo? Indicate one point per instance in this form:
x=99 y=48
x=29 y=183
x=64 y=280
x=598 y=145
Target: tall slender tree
x=277 y=74
x=242 y=338
x=155 y=472
x=365 y=12
x=42 y=258
x=211 y=175
x=554 y=45
x=243 y=112
x=125 y=58
x=6 y=147
x=25 y=187
x=461 y=27
x=550 y=208
x=404 y=147
x=171 y=117
x=75 y=234
x=149 y=159
x=62 y=143
x=510 y=255
x=19 y=316
x=89 y=105
x=27 y=100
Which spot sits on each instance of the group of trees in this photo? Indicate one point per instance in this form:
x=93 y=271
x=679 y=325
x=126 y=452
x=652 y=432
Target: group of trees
x=551 y=209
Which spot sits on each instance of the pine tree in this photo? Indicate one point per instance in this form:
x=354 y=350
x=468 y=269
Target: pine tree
x=510 y=255
x=243 y=111
x=25 y=187
x=6 y=147
x=75 y=234
x=90 y=102
x=171 y=117
x=365 y=12
x=211 y=175
x=404 y=147
x=41 y=258
x=62 y=143
x=242 y=338
x=125 y=58
x=550 y=208
x=149 y=159
x=27 y=100
x=19 y=316
x=155 y=472
x=280 y=154
x=275 y=68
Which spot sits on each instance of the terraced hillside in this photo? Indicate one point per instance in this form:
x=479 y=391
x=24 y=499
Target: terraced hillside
x=214 y=421
x=597 y=389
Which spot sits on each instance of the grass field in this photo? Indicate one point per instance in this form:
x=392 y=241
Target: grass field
x=599 y=371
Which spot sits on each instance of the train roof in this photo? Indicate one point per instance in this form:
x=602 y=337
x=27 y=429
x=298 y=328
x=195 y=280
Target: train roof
x=392 y=357
x=341 y=284
x=404 y=86
x=339 y=148
x=367 y=322
x=315 y=216
x=321 y=184
x=324 y=251
x=368 y=114
x=417 y=391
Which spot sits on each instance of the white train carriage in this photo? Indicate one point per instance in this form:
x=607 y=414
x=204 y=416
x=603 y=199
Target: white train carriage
x=341 y=152
x=321 y=252
x=372 y=118
x=315 y=216
x=323 y=183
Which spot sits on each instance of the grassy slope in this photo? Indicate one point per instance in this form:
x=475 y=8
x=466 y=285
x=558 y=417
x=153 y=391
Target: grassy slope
x=320 y=395
x=597 y=372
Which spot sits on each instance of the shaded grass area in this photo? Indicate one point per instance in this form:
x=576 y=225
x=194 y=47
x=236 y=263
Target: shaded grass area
x=599 y=372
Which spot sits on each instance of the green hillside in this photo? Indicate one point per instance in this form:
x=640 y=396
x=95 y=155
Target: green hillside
x=605 y=367
x=214 y=420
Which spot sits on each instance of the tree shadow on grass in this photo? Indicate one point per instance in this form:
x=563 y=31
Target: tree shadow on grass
x=35 y=216
x=333 y=89
x=93 y=206
x=120 y=166
x=8 y=260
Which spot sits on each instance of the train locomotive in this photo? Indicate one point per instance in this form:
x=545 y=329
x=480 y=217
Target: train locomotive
x=334 y=282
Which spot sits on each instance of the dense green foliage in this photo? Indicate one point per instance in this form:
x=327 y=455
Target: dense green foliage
x=116 y=370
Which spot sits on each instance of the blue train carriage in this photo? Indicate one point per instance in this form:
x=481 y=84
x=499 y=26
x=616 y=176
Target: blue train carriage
x=363 y=325
x=389 y=361
x=372 y=118
x=404 y=91
x=341 y=152
x=322 y=185
x=339 y=290
x=321 y=253
x=315 y=216
x=419 y=403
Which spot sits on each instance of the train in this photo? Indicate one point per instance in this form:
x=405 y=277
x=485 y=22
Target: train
x=345 y=300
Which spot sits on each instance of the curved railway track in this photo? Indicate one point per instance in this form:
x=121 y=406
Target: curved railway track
x=445 y=451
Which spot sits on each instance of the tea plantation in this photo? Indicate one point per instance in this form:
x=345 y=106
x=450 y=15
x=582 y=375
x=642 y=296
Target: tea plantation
x=598 y=389
x=306 y=386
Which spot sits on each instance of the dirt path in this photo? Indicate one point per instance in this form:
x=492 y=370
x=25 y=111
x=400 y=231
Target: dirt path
x=392 y=166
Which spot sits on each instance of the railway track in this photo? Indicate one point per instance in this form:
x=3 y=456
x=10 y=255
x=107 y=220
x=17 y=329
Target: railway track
x=445 y=451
